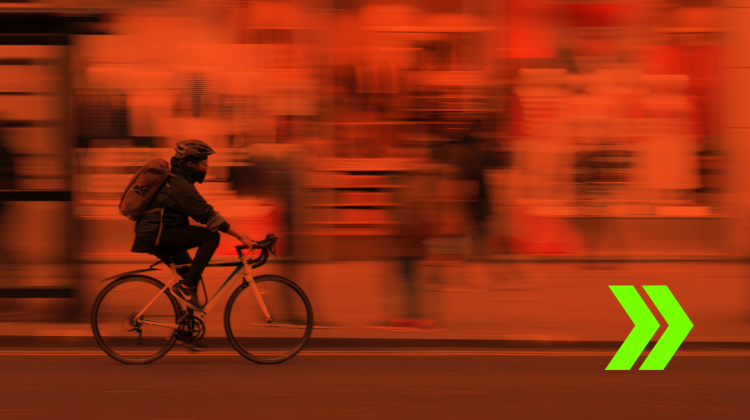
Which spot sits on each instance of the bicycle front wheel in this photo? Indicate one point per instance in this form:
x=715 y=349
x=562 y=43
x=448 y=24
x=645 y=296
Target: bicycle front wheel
x=122 y=336
x=273 y=340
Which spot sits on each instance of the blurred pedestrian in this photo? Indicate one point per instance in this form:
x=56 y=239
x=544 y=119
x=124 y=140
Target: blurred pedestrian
x=418 y=221
x=463 y=203
x=476 y=215
x=7 y=183
x=7 y=174
x=466 y=152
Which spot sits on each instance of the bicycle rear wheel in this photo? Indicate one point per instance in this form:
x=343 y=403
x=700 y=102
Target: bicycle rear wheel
x=116 y=331
x=273 y=341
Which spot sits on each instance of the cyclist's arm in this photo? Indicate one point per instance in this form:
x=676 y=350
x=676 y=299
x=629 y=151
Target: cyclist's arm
x=242 y=236
x=199 y=210
x=195 y=206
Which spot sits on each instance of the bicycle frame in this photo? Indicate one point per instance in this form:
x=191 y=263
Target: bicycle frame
x=241 y=273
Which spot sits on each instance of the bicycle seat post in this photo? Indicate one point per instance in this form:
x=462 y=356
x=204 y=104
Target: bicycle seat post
x=169 y=262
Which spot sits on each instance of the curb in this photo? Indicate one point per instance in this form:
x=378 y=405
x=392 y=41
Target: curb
x=498 y=258
x=362 y=343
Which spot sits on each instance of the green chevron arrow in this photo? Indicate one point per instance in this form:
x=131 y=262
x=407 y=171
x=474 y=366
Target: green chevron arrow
x=679 y=328
x=645 y=328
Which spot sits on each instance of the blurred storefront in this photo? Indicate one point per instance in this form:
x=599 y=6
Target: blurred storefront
x=616 y=121
x=609 y=112
x=39 y=237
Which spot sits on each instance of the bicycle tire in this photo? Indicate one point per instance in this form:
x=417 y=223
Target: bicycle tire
x=266 y=342
x=130 y=305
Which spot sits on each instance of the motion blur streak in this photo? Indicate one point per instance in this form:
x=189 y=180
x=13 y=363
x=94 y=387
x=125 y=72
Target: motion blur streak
x=463 y=174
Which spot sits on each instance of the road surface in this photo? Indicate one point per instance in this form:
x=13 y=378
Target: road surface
x=379 y=384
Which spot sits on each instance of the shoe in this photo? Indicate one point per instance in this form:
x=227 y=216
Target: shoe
x=188 y=296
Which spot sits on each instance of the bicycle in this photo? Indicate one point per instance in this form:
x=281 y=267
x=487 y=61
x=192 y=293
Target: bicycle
x=268 y=319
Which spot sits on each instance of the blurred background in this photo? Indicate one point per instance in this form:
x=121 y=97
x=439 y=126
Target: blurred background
x=402 y=150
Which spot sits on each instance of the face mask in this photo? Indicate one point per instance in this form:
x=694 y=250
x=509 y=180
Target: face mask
x=198 y=177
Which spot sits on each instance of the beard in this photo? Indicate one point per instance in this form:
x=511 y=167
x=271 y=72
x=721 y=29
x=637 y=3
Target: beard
x=198 y=177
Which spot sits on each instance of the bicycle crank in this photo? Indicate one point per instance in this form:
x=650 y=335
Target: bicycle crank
x=191 y=329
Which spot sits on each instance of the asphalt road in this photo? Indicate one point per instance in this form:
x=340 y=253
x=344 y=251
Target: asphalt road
x=428 y=384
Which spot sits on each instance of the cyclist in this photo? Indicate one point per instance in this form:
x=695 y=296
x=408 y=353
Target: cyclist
x=169 y=231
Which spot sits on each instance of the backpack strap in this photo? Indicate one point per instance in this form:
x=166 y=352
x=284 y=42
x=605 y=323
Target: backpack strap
x=161 y=224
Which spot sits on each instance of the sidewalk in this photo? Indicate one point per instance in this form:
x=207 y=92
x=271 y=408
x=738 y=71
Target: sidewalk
x=561 y=305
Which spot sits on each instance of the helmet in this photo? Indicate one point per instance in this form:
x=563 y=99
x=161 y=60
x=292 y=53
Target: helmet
x=191 y=147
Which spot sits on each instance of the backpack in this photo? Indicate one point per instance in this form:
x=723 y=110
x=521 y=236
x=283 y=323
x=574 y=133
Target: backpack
x=143 y=187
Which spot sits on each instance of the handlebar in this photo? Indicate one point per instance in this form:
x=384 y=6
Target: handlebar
x=267 y=245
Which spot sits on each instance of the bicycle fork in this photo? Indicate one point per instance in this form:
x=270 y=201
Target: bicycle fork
x=254 y=288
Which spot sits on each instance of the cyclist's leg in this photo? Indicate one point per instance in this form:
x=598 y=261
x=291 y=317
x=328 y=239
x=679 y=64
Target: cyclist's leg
x=178 y=240
x=182 y=258
x=202 y=256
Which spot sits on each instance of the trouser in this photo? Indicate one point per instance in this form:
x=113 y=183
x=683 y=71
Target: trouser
x=176 y=241
x=411 y=304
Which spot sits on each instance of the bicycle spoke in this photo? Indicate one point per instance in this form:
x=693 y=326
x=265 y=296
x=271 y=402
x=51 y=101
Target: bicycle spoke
x=269 y=342
x=123 y=336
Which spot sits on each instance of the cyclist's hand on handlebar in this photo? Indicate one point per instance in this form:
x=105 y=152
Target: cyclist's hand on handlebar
x=246 y=240
x=243 y=237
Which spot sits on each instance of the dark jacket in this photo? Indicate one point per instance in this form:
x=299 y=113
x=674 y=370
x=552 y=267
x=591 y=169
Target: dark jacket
x=7 y=174
x=180 y=200
x=468 y=155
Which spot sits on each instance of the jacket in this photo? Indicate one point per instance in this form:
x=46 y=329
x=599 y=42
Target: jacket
x=180 y=200
x=468 y=155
